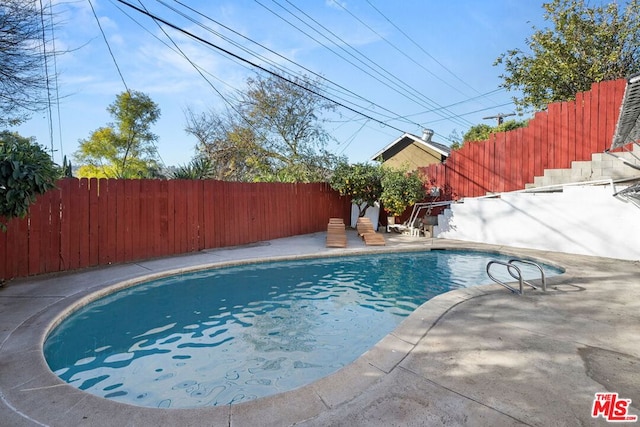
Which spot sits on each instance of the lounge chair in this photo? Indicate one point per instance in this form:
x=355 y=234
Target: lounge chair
x=366 y=231
x=336 y=234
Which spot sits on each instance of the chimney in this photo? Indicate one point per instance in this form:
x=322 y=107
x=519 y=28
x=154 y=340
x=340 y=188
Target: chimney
x=427 y=134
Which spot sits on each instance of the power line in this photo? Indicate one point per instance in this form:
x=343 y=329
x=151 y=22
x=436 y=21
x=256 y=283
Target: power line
x=323 y=78
x=408 y=93
x=270 y=72
x=108 y=46
x=483 y=109
x=451 y=116
x=482 y=95
x=272 y=63
x=46 y=74
x=184 y=55
x=422 y=49
x=55 y=76
x=367 y=59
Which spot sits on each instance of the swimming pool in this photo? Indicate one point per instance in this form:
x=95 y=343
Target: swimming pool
x=237 y=333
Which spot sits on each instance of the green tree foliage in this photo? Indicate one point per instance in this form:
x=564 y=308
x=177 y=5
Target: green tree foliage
x=400 y=190
x=67 y=168
x=360 y=181
x=585 y=44
x=482 y=131
x=125 y=148
x=272 y=132
x=26 y=170
x=22 y=59
x=229 y=144
x=479 y=132
x=198 y=168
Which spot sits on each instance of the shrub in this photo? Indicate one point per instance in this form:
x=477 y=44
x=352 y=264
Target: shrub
x=26 y=170
x=400 y=190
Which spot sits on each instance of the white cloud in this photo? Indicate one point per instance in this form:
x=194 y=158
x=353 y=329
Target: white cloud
x=336 y=4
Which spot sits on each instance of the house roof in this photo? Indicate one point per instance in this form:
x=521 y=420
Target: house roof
x=407 y=137
x=628 y=126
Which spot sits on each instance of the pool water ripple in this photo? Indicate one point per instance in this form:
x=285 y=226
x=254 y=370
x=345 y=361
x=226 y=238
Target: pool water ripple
x=234 y=334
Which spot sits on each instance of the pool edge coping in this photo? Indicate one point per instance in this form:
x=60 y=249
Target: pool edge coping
x=313 y=398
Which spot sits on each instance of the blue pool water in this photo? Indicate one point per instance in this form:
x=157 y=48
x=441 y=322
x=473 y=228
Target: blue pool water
x=233 y=334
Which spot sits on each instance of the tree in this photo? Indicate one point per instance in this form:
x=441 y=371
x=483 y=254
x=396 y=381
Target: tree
x=360 y=181
x=272 y=132
x=26 y=170
x=479 y=132
x=586 y=44
x=126 y=148
x=23 y=59
x=198 y=168
x=482 y=131
x=400 y=190
x=231 y=148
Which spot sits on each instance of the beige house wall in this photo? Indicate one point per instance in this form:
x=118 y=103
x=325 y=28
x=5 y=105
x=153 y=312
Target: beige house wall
x=413 y=157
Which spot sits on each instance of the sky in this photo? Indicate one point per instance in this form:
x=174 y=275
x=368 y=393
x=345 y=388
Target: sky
x=401 y=66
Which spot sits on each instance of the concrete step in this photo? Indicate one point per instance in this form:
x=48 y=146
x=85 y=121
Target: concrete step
x=601 y=166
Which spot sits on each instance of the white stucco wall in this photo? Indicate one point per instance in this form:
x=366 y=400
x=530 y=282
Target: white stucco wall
x=585 y=220
x=373 y=213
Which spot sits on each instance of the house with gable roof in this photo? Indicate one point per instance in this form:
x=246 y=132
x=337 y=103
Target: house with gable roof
x=412 y=152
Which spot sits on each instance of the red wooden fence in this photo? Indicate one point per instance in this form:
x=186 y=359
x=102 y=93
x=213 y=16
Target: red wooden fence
x=86 y=223
x=567 y=131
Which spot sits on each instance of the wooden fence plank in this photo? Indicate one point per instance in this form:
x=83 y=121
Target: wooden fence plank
x=66 y=209
x=572 y=143
x=18 y=229
x=4 y=243
x=121 y=220
x=94 y=223
x=35 y=239
x=125 y=214
x=192 y=216
x=103 y=197
x=180 y=220
x=563 y=149
x=171 y=217
x=594 y=113
x=163 y=216
x=83 y=223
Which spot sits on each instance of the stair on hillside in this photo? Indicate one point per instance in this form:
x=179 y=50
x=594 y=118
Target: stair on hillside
x=601 y=166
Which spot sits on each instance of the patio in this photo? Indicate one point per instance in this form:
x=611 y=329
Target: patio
x=479 y=356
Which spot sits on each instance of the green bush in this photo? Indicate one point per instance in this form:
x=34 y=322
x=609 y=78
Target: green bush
x=400 y=190
x=360 y=182
x=26 y=170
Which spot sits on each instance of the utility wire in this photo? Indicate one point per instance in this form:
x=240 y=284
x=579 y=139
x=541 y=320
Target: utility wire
x=396 y=87
x=184 y=55
x=421 y=48
x=46 y=74
x=323 y=78
x=119 y=72
x=266 y=70
x=277 y=66
x=274 y=64
x=399 y=86
x=480 y=110
x=55 y=76
x=483 y=95
x=403 y=53
x=108 y=46
x=364 y=57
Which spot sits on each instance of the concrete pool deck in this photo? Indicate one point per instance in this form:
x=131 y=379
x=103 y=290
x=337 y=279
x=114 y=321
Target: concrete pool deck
x=479 y=356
